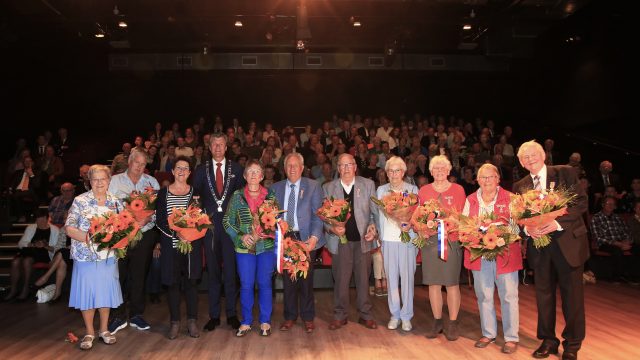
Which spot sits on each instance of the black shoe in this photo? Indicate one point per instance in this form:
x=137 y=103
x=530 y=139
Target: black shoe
x=211 y=325
x=154 y=298
x=547 y=348
x=233 y=322
x=570 y=355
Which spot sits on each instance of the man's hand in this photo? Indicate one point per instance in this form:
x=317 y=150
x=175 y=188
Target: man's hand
x=311 y=243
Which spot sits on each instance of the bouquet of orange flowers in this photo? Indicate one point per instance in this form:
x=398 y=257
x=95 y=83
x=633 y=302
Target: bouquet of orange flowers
x=295 y=258
x=142 y=205
x=114 y=231
x=190 y=224
x=485 y=236
x=399 y=207
x=426 y=219
x=335 y=212
x=265 y=221
x=535 y=208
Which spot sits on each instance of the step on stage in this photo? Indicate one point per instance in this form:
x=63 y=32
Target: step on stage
x=38 y=331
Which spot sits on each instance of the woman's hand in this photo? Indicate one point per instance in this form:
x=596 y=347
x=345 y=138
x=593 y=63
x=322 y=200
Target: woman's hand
x=338 y=230
x=248 y=241
x=156 y=251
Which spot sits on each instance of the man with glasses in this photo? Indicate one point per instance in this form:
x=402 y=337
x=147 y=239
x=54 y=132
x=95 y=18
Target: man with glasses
x=354 y=256
x=133 y=267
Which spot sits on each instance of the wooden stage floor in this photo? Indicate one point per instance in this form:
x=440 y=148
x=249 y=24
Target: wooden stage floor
x=37 y=331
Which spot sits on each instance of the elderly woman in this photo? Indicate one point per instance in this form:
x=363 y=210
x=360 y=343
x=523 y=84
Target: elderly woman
x=94 y=282
x=178 y=269
x=436 y=272
x=399 y=257
x=503 y=272
x=36 y=246
x=255 y=257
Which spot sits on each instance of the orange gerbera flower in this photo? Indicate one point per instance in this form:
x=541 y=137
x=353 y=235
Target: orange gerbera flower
x=490 y=241
x=137 y=205
x=126 y=217
x=268 y=220
x=334 y=211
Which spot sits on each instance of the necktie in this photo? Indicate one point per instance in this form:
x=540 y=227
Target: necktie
x=219 y=179
x=291 y=206
x=606 y=180
x=41 y=150
x=536 y=183
x=24 y=185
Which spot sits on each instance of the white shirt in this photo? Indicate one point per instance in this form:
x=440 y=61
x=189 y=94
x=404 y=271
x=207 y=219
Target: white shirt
x=346 y=187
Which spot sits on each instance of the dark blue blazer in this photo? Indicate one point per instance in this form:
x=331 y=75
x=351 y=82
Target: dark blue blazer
x=309 y=200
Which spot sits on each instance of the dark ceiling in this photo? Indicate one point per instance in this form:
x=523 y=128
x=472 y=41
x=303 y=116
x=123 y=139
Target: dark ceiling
x=419 y=26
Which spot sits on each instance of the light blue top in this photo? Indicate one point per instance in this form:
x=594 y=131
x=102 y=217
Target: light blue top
x=121 y=186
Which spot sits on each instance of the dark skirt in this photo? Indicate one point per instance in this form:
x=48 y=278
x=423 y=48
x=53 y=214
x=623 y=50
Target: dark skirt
x=175 y=266
x=436 y=271
x=39 y=255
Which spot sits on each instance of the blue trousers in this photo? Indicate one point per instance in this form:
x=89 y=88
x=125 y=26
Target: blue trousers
x=254 y=269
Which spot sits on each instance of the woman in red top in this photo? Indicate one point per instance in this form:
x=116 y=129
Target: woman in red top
x=436 y=272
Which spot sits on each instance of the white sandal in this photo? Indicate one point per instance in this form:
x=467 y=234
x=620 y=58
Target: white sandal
x=87 y=342
x=107 y=338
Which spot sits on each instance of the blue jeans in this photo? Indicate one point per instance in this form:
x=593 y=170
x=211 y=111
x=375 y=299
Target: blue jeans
x=254 y=269
x=485 y=282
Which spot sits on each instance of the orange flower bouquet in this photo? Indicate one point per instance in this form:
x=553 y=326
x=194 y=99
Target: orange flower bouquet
x=190 y=224
x=399 y=207
x=335 y=212
x=114 y=231
x=535 y=208
x=265 y=221
x=142 y=205
x=295 y=258
x=485 y=236
x=426 y=219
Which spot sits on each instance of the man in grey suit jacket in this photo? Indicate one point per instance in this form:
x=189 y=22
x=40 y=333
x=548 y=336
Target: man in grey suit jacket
x=300 y=197
x=355 y=255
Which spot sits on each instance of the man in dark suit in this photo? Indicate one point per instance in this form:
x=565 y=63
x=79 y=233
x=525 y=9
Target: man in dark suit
x=28 y=187
x=215 y=183
x=354 y=257
x=561 y=262
x=300 y=197
x=599 y=182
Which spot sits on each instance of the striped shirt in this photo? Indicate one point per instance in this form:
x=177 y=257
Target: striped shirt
x=176 y=201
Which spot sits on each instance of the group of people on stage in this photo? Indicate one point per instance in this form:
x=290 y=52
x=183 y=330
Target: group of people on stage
x=230 y=194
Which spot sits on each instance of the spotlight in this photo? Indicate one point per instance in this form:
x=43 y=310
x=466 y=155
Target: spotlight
x=238 y=24
x=122 y=24
x=466 y=27
x=357 y=24
x=99 y=35
x=205 y=50
x=300 y=45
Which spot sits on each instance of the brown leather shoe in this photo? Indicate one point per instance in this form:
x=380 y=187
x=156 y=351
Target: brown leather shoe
x=510 y=347
x=286 y=325
x=369 y=324
x=337 y=324
x=309 y=326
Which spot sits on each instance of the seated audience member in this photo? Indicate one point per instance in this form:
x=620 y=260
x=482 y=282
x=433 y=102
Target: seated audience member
x=574 y=161
x=121 y=161
x=602 y=179
x=27 y=185
x=630 y=199
x=612 y=236
x=634 y=225
x=82 y=183
x=166 y=164
x=182 y=149
x=153 y=160
x=54 y=168
x=60 y=204
x=59 y=264
x=36 y=246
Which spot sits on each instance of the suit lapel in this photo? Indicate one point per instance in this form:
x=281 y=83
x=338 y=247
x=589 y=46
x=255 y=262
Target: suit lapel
x=280 y=191
x=552 y=177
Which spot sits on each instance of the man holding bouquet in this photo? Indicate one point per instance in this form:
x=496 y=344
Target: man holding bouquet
x=562 y=261
x=300 y=197
x=353 y=255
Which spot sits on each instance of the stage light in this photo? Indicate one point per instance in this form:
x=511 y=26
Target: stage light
x=300 y=45
x=122 y=24
x=238 y=24
x=466 y=27
x=99 y=35
x=357 y=24
x=205 y=50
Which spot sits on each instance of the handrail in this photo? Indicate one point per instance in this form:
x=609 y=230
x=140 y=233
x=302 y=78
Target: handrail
x=602 y=143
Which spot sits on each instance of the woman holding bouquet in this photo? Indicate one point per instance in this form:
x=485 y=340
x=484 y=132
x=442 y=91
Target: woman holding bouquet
x=94 y=283
x=177 y=268
x=399 y=257
x=255 y=256
x=503 y=271
x=435 y=271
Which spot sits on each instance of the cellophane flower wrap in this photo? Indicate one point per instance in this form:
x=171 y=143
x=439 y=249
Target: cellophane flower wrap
x=335 y=212
x=265 y=221
x=190 y=224
x=142 y=204
x=399 y=208
x=295 y=258
x=114 y=231
x=425 y=221
x=485 y=235
x=535 y=208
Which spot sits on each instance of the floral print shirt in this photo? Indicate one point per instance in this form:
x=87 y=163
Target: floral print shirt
x=83 y=209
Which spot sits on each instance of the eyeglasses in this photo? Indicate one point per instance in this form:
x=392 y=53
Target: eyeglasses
x=99 y=180
x=254 y=171
x=182 y=168
x=485 y=178
x=347 y=165
x=395 y=171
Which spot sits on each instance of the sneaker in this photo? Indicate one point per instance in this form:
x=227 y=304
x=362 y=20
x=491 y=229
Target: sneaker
x=406 y=325
x=393 y=324
x=116 y=325
x=139 y=323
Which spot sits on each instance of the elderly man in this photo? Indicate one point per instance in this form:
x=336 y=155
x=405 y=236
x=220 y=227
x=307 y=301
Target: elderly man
x=300 y=197
x=354 y=257
x=133 y=268
x=120 y=161
x=562 y=262
x=215 y=182
x=60 y=204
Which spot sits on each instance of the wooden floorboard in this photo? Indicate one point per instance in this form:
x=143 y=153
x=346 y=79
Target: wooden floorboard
x=37 y=331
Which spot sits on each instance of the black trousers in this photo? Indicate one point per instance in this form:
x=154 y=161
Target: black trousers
x=133 y=271
x=182 y=282
x=219 y=250
x=552 y=271
x=298 y=295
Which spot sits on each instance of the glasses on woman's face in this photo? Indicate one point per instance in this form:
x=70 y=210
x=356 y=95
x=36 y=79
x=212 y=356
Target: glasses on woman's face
x=182 y=168
x=254 y=172
x=394 y=171
x=99 y=180
x=487 y=178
